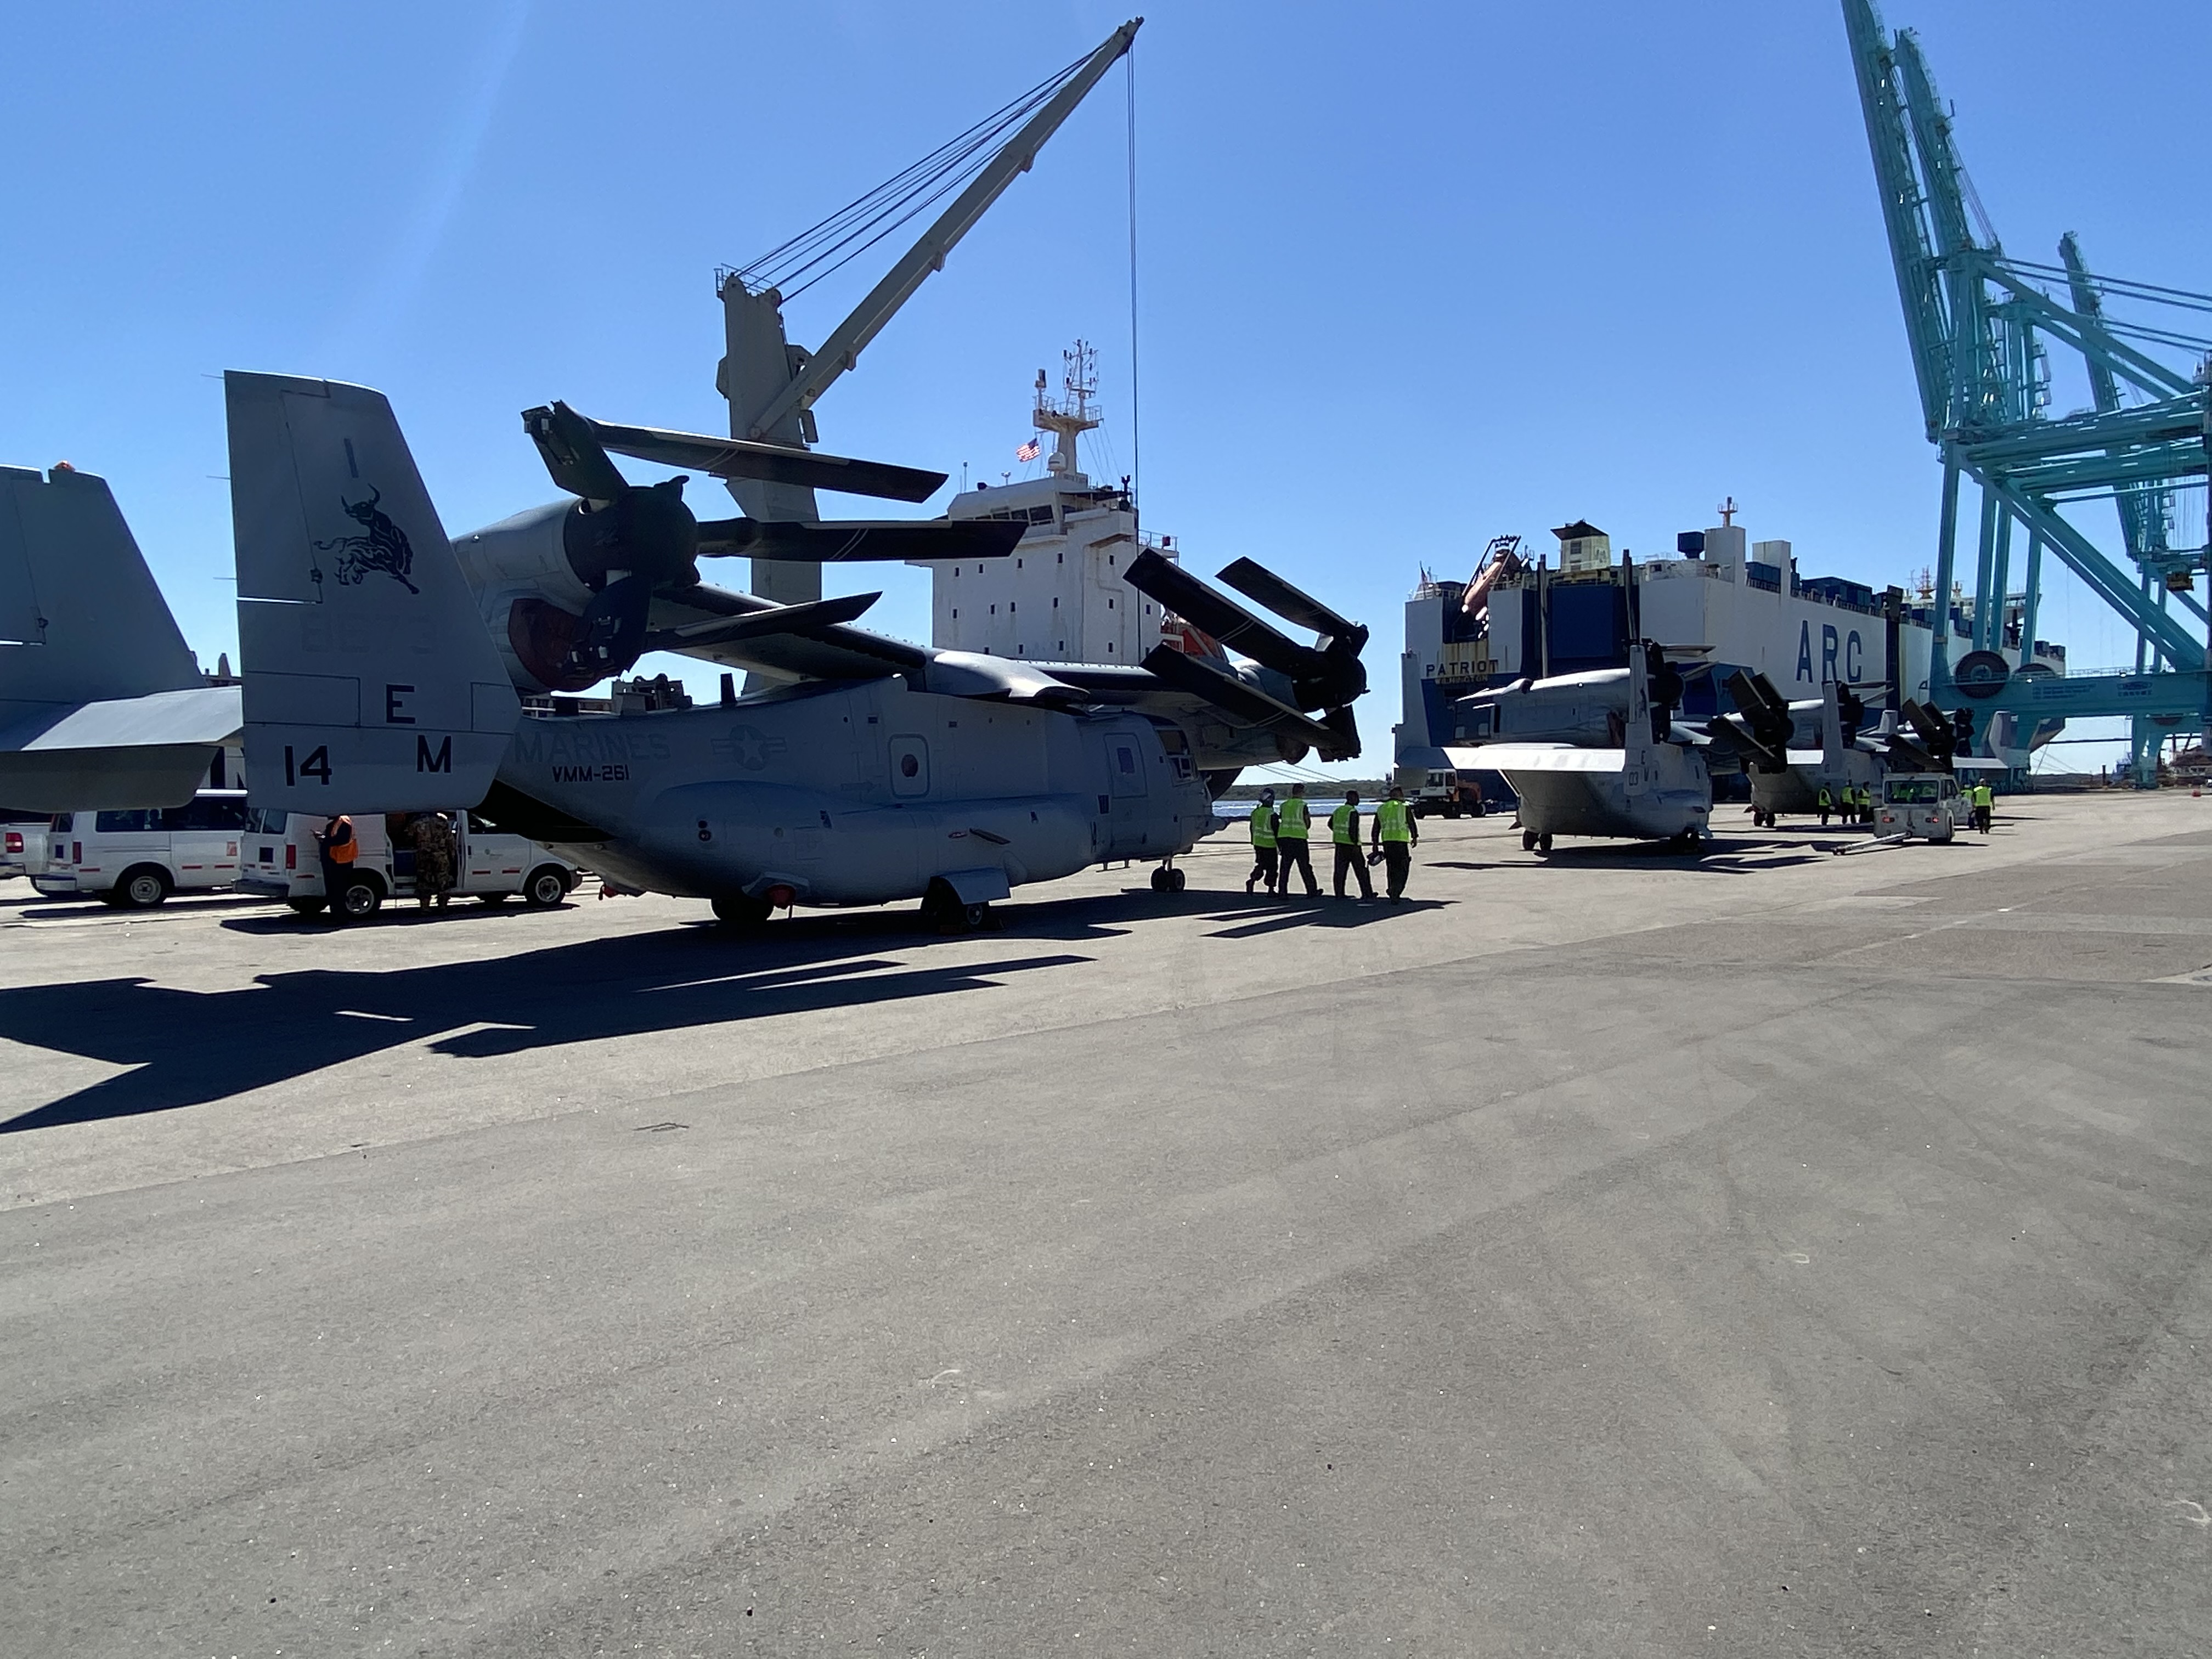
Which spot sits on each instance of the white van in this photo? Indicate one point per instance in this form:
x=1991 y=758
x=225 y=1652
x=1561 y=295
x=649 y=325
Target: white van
x=135 y=857
x=282 y=862
x=1926 y=804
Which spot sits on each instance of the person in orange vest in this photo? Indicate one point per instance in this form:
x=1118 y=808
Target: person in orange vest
x=337 y=848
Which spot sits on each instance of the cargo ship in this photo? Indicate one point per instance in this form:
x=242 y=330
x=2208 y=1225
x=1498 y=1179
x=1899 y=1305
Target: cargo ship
x=1732 y=602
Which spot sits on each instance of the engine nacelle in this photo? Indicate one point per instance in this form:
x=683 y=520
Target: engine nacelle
x=528 y=592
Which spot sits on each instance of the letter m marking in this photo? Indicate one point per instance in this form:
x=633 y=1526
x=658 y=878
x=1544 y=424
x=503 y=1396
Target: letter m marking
x=440 y=761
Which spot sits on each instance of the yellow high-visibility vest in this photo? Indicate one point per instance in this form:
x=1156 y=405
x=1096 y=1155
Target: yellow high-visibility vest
x=1263 y=824
x=1291 y=818
x=1394 y=821
x=1344 y=825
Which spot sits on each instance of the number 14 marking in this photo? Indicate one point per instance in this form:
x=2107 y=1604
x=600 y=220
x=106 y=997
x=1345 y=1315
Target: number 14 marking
x=317 y=765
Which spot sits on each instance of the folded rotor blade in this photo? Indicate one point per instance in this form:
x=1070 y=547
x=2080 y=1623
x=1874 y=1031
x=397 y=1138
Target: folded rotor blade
x=1913 y=758
x=1749 y=750
x=1263 y=586
x=740 y=457
x=1933 y=729
x=1221 y=617
x=783 y=619
x=1245 y=705
x=574 y=458
x=1344 y=730
x=831 y=541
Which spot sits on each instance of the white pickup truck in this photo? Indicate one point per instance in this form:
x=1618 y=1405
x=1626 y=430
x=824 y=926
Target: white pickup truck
x=24 y=841
x=282 y=861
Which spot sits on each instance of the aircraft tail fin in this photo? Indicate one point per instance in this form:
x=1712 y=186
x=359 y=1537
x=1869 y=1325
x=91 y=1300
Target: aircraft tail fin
x=80 y=618
x=101 y=701
x=1832 y=727
x=371 y=685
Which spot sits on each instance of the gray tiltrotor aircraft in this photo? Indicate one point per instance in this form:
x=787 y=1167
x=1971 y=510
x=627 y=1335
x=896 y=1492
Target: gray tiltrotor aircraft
x=101 y=701
x=1790 y=751
x=1616 y=762
x=384 y=668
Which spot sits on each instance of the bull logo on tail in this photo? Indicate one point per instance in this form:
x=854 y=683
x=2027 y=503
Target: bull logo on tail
x=384 y=547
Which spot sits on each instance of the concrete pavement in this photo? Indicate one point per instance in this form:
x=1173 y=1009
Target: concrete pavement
x=1777 y=1252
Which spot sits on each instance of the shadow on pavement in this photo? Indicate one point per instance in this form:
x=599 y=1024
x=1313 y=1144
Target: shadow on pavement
x=188 y=1047
x=1279 y=915
x=1718 y=857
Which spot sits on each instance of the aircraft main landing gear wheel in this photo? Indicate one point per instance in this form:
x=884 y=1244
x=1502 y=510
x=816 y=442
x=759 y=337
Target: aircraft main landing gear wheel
x=1544 y=842
x=942 y=909
x=741 y=910
x=1527 y=841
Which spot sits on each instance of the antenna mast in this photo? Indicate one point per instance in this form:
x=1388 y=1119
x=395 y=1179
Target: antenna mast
x=1076 y=411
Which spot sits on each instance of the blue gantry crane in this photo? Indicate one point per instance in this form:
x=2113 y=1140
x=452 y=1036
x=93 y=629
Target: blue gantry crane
x=1981 y=325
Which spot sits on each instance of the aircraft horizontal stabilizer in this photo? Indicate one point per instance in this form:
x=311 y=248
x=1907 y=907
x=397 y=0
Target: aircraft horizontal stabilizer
x=831 y=541
x=153 y=751
x=370 y=683
x=740 y=457
x=101 y=704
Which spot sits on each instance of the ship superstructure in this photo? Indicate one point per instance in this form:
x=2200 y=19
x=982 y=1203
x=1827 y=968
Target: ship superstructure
x=1061 y=597
x=1737 y=604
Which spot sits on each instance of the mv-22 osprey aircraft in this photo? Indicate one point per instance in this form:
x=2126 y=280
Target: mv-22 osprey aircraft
x=384 y=668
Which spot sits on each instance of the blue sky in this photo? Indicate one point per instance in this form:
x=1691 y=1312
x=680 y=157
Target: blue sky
x=1409 y=275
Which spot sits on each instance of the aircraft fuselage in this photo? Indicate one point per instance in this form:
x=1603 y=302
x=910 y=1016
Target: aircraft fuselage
x=860 y=793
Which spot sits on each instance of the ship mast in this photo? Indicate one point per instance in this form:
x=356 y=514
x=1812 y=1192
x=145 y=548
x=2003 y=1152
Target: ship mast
x=1075 y=412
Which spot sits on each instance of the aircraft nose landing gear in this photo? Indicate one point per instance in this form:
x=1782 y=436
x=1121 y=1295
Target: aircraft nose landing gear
x=1168 y=879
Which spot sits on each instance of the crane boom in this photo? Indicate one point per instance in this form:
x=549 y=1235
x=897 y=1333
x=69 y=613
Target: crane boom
x=1904 y=211
x=1978 y=322
x=842 y=348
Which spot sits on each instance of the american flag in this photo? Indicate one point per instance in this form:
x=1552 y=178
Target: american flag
x=1028 y=451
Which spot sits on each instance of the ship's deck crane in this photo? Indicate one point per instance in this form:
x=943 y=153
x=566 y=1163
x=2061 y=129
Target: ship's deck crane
x=1980 y=325
x=772 y=386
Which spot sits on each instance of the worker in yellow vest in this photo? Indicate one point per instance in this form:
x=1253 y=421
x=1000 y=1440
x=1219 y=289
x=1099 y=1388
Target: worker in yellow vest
x=1827 y=806
x=1351 y=858
x=1984 y=799
x=1293 y=825
x=1395 y=835
x=1263 y=842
